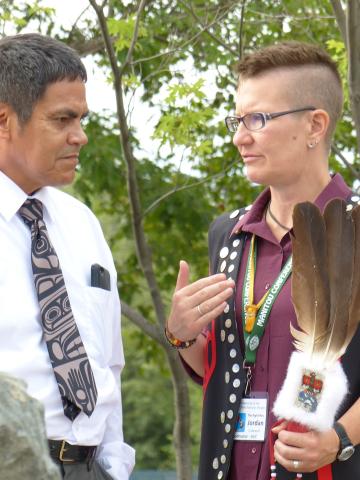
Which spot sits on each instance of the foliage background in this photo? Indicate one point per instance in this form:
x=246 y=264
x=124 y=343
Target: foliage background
x=181 y=71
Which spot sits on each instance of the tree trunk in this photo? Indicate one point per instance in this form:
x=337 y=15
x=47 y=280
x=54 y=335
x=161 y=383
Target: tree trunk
x=181 y=432
x=353 y=42
x=349 y=26
x=144 y=257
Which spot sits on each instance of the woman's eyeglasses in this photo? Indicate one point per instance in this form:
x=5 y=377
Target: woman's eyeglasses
x=257 y=120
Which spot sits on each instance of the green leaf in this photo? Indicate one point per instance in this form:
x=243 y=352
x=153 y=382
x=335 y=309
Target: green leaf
x=123 y=30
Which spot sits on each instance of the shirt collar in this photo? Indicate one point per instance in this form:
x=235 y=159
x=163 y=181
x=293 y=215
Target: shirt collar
x=44 y=195
x=12 y=197
x=254 y=214
x=336 y=188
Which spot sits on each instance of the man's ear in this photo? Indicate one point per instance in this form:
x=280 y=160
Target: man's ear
x=6 y=117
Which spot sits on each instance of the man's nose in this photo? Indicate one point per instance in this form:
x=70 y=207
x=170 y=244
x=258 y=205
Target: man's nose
x=78 y=137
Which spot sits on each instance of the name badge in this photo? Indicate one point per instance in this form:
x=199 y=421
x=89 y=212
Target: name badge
x=252 y=419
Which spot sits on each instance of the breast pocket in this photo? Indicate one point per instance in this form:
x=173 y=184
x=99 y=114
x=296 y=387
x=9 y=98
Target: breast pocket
x=91 y=310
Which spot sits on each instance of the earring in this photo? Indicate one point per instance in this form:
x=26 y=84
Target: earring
x=313 y=144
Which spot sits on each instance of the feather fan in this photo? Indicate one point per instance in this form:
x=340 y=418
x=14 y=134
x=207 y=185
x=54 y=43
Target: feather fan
x=354 y=314
x=326 y=298
x=325 y=281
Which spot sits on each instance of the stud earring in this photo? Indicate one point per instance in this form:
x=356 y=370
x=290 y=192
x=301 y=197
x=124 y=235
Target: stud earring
x=314 y=143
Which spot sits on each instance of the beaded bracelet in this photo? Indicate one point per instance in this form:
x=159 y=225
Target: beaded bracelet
x=176 y=343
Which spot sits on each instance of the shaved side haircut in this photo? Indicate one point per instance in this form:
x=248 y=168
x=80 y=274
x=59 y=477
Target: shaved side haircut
x=316 y=79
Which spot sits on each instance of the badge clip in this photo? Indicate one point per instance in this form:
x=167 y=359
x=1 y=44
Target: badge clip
x=248 y=368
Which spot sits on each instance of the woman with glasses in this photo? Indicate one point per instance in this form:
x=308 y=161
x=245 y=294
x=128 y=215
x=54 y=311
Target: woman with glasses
x=232 y=328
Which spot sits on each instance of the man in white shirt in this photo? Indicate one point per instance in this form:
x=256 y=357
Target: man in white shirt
x=42 y=104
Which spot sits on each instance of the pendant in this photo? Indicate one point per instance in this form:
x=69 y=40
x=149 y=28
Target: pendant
x=250 y=317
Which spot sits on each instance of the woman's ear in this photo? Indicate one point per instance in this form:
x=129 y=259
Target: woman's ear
x=319 y=125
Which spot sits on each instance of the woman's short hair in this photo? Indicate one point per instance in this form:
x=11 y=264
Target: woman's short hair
x=316 y=81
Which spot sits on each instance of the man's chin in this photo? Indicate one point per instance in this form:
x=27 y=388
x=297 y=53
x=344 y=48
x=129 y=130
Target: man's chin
x=63 y=179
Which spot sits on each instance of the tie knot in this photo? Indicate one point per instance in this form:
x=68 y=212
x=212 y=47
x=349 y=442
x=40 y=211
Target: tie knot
x=31 y=209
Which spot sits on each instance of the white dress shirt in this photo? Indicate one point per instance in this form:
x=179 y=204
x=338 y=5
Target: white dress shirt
x=79 y=242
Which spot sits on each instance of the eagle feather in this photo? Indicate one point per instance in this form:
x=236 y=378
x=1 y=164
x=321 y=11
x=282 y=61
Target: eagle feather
x=325 y=281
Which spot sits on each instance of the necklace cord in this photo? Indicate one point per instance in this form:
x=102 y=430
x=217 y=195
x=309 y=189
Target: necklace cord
x=276 y=220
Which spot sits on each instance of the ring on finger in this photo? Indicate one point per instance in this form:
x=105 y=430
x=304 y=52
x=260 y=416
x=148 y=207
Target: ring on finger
x=296 y=464
x=198 y=308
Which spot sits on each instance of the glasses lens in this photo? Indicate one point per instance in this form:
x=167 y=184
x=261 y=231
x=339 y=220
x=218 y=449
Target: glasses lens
x=232 y=124
x=254 y=121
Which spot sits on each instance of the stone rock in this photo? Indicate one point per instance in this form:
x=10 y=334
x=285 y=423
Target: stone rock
x=23 y=445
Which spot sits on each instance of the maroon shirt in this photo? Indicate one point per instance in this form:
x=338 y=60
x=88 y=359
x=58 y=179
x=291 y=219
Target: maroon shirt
x=250 y=460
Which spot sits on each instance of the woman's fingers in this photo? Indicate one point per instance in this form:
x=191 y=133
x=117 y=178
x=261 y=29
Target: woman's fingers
x=194 y=305
x=183 y=276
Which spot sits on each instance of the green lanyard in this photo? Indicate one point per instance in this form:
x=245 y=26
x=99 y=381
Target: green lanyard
x=256 y=316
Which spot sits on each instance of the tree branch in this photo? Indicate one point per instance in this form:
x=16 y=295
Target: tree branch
x=191 y=40
x=88 y=47
x=108 y=43
x=74 y=27
x=206 y=28
x=140 y=321
x=281 y=16
x=241 y=46
x=143 y=251
x=347 y=164
x=340 y=18
x=168 y=52
x=134 y=38
x=187 y=187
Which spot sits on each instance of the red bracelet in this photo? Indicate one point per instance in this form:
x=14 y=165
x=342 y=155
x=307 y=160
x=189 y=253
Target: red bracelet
x=175 y=342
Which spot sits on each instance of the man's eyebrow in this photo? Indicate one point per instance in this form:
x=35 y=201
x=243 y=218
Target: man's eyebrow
x=67 y=112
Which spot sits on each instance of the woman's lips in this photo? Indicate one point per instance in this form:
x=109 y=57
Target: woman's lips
x=250 y=157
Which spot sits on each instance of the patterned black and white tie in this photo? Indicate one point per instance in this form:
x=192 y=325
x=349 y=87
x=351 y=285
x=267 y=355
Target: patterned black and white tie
x=67 y=353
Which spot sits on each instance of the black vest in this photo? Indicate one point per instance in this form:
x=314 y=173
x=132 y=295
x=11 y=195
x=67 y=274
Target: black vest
x=224 y=378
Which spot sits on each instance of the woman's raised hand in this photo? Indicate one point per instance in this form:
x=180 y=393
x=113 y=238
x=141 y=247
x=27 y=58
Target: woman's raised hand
x=194 y=305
